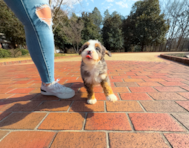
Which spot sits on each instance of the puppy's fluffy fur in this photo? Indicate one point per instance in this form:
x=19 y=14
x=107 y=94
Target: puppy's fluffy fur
x=94 y=69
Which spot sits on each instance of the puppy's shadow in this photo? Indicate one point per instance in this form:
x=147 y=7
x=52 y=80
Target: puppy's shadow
x=25 y=105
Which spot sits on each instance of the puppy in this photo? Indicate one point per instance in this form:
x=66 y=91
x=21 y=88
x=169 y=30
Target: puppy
x=94 y=70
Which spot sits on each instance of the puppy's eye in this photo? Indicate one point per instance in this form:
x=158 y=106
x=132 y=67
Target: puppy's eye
x=97 y=48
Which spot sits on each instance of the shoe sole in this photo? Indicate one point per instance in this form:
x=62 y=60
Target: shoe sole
x=50 y=94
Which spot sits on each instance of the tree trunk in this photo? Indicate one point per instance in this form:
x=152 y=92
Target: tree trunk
x=142 y=47
x=77 y=48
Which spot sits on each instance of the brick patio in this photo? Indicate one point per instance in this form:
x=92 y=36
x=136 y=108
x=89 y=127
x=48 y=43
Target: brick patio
x=152 y=110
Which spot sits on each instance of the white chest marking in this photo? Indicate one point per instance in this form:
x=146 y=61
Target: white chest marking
x=94 y=77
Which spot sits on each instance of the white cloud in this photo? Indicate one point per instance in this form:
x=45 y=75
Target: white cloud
x=109 y=6
x=92 y=0
x=87 y=4
x=122 y=4
x=109 y=0
x=69 y=3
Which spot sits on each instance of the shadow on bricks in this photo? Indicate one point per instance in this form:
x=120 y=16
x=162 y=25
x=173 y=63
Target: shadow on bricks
x=13 y=110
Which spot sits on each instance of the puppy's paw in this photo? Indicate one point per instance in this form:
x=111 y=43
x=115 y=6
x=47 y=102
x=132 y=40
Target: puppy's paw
x=91 y=101
x=112 y=97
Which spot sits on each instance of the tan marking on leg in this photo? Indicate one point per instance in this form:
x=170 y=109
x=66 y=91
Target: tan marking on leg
x=107 y=88
x=44 y=13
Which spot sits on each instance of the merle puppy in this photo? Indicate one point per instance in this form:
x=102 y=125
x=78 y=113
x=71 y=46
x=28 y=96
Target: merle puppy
x=94 y=70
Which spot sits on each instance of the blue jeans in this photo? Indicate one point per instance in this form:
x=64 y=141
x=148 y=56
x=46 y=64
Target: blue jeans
x=38 y=31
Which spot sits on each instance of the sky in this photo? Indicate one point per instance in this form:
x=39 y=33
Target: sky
x=123 y=7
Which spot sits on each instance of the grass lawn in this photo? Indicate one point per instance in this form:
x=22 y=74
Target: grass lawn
x=27 y=57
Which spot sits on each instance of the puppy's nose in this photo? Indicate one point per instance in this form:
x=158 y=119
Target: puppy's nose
x=89 y=52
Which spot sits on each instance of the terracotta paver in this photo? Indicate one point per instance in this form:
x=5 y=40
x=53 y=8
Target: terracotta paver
x=79 y=139
x=154 y=122
x=123 y=106
x=27 y=139
x=154 y=80
x=174 y=79
x=134 y=96
x=120 y=89
x=148 y=84
x=142 y=89
x=185 y=87
x=21 y=90
x=183 y=118
x=133 y=80
x=152 y=108
x=162 y=106
x=176 y=83
x=2 y=134
x=40 y=97
x=21 y=97
x=184 y=104
x=166 y=96
x=178 y=140
x=4 y=114
x=63 y=121
x=26 y=106
x=82 y=96
x=6 y=90
x=82 y=106
x=22 y=121
x=125 y=84
x=5 y=96
x=168 y=89
x=107 y=121
x=138 y=140
x=54 y=106
x=185 y=95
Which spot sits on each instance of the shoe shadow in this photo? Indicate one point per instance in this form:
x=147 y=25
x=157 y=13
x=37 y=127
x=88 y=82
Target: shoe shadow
x=13 y=110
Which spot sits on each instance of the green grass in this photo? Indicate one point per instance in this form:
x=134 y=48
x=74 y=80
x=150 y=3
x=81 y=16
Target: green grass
x=27 y=57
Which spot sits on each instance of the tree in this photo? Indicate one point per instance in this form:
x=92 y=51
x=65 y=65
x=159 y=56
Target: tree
x=58 y=15
x=96 y=17
x=145 y=25
x=61 y=39
x=177 y=14
x=11 y=26
x=90 y=30
x=60 y=9
x=73 y=31
x=106 y=15
x=112 y=32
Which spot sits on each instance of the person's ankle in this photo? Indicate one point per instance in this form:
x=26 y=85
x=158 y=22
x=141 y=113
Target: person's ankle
x=46 y=84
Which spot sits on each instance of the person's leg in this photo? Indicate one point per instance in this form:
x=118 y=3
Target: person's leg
x=35 y=15
x=36 y=18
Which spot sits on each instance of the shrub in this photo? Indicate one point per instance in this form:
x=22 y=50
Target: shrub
x=4 y=53
x=15 y=52
x=24 y=51
x=137 y=48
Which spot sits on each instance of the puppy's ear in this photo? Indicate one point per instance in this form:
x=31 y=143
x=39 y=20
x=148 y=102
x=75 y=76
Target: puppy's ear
x=82 y=48
x=106 y=51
